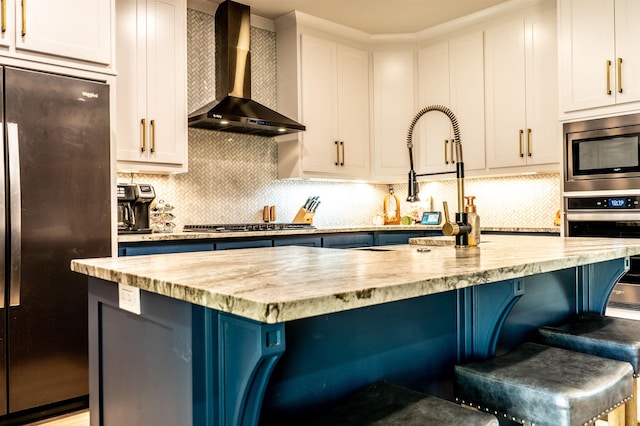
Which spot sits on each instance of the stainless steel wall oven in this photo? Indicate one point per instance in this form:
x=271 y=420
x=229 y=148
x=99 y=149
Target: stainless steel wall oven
x=601 y=180
x=609 y=216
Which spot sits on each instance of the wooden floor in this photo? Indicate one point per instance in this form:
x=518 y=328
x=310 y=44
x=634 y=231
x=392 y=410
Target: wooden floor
x=80 y=418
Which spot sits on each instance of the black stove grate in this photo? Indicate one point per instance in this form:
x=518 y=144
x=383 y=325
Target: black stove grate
x=247 y=227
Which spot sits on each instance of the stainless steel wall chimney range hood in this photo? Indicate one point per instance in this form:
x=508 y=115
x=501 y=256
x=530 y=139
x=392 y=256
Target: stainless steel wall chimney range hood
x=234 y=111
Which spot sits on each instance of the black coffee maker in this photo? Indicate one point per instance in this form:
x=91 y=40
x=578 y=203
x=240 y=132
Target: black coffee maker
x=134 y=200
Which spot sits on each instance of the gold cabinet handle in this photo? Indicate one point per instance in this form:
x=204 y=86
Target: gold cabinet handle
x=342 y=148
x=337 y=153
x=4 y=15
x=446 y=160
x=608 y=77
x=453 y=161
x=24 y=18
x=143 y=139
x=528 y=142
x=153 y=136
x=520 y=142
x=619 y=75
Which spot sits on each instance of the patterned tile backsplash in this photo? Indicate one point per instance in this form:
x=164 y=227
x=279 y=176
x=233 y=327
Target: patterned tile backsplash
x=232 y=176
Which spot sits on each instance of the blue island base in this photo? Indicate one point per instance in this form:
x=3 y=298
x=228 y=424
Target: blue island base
x=180 y=364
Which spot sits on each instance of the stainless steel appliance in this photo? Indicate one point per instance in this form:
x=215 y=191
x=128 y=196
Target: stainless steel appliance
x=602 y=188
x=56 y=207
x=609 y=215
x=602 y=154
x=134 y=201
x=234 y=110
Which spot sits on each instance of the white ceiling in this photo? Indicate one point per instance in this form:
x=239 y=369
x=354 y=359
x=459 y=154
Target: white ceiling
x=375 y=16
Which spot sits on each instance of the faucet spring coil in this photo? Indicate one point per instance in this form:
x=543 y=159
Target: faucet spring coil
x=441 y=108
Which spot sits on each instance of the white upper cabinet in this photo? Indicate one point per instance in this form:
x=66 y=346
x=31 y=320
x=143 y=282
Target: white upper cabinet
x=331 y=100
x=451 y=74
x=599 y=53
x=394 y=92
x=521 y=90
x=335 y=108
x=151 y=132
x=68 y=32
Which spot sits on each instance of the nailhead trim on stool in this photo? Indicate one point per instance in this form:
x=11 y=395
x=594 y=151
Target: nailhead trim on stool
x=608 y=337
x=542 y=385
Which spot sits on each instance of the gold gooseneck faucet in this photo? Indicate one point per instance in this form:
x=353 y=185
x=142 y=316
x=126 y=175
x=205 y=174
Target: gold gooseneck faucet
x=460 y=227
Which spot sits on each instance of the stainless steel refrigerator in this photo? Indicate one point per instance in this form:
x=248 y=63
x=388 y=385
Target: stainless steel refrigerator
x=56 y=207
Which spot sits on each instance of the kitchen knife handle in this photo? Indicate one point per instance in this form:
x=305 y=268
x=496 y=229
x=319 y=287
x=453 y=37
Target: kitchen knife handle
x=337 y=153
x=153 y=136
x=4 y=15
x=528 y=142
x=608 y=77
x=342 y=149
x=16 y=214
x=619 y=75
x=24 y=18
x=143 y=139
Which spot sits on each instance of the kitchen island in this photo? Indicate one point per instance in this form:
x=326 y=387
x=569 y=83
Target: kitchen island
x=224 y=338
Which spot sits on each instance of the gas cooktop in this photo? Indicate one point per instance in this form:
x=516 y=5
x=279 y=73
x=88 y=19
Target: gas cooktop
x=247 y=227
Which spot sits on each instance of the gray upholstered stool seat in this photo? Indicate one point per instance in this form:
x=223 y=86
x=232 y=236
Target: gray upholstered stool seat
x=608 y=337
x=542 y=385
x=386 y=404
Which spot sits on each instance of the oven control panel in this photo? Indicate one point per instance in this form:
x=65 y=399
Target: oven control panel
x=604 y=203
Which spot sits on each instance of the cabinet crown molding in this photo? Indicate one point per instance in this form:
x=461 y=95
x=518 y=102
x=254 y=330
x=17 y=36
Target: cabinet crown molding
x=301 y=18
x=477 y=18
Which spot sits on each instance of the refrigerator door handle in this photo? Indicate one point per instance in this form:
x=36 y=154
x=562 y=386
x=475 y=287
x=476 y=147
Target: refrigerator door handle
x=15 y=212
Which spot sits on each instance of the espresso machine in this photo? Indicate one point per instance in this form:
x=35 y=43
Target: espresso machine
x=134 y=200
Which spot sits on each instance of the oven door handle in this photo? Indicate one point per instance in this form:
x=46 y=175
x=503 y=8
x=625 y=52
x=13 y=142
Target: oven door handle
x=603 y=217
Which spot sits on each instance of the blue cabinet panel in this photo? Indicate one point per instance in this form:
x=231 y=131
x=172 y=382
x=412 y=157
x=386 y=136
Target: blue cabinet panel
x=401 y=237
x=227 y=245
x=390 y=238
x=298 y=241
x=162 y=248
x=359 y=239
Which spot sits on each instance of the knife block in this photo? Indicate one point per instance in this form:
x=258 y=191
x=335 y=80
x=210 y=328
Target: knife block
x=304 y=216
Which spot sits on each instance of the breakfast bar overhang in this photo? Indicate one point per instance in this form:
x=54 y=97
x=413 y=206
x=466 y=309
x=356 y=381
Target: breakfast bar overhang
x=238 y=337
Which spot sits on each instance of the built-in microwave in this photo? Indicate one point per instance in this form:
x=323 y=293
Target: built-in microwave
x=602 y=154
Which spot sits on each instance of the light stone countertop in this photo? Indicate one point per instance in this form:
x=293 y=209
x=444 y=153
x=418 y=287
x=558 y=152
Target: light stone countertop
x=175 y=236
x=279 y=284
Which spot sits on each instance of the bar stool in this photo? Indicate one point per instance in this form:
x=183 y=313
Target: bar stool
x=386 y=404
x=608 y=337
x=542 y=385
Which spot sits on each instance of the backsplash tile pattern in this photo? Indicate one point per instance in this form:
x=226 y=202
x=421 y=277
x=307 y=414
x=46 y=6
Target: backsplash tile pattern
x=232 y=176
x=200 y=59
